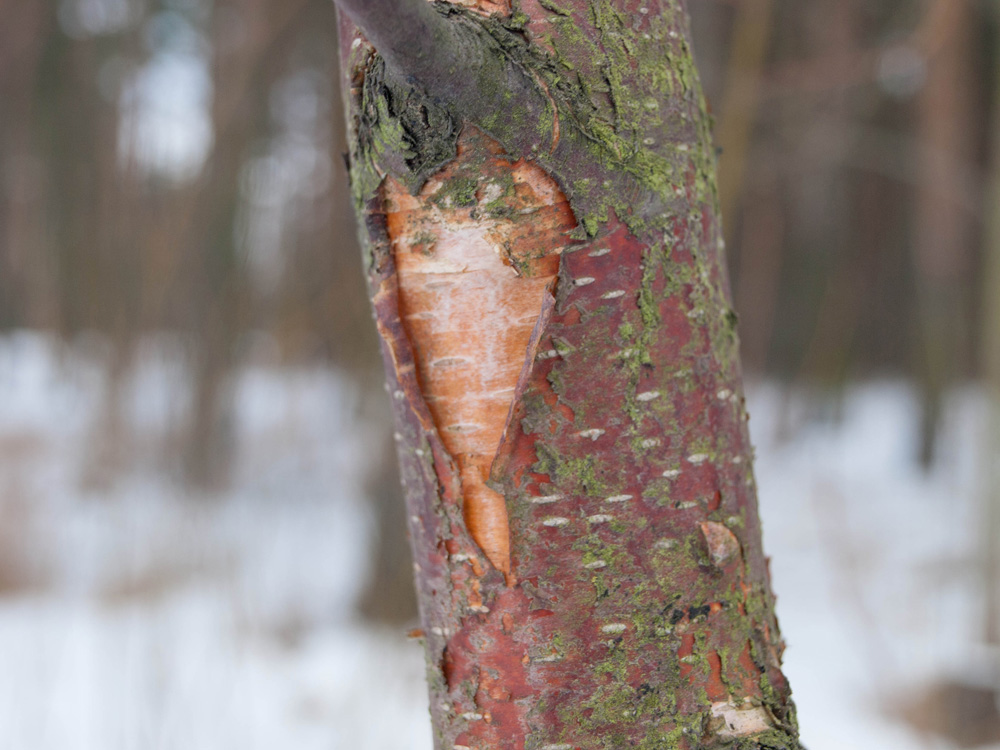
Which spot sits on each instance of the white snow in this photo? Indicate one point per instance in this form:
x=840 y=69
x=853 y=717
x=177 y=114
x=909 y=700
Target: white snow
x=873 y=561
x=134 y=616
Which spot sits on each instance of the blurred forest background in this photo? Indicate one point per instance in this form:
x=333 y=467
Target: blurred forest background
x=177 y=166
x=174 y=170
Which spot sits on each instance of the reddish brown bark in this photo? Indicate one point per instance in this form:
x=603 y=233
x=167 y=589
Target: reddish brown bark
x=629 y=604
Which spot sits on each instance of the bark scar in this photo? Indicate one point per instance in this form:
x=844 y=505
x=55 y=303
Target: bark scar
x=477 y=257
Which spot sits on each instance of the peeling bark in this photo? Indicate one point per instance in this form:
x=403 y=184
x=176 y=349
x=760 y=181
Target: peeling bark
x=473 y=284
x=562 y=358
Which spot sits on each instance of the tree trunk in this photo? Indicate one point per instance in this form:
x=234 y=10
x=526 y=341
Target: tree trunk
x=941 y=227
x=537 y=191
x=990 y=348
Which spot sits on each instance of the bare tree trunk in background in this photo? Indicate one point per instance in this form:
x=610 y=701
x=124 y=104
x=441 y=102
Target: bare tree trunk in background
x=941 y=227
x=752 y=31
x=991 y=375
x=834 y=302
x=25 y=283
x=388 y=596
x=538 y=195
x=244 y=32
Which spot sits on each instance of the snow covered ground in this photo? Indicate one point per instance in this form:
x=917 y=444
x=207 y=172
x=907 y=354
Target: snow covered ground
x=134 y=616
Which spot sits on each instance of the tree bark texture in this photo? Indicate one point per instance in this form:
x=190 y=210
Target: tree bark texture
x=545 y=259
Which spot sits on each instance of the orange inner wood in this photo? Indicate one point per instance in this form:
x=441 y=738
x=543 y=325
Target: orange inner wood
x=472 y=280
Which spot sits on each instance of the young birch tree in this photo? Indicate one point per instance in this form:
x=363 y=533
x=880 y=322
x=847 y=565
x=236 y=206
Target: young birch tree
x=536 y=187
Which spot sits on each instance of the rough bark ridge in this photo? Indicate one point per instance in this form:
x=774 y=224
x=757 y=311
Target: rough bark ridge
x=617 y=596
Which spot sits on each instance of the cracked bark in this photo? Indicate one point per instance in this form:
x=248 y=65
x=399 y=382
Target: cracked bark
x=536 y=190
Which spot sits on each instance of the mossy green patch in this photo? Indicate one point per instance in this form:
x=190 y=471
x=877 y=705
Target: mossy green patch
x=576 y=474
x=458 y=191
x=400 y=131
x=553 y=8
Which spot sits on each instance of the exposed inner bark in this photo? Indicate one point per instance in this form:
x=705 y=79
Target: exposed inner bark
x=477 y=252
